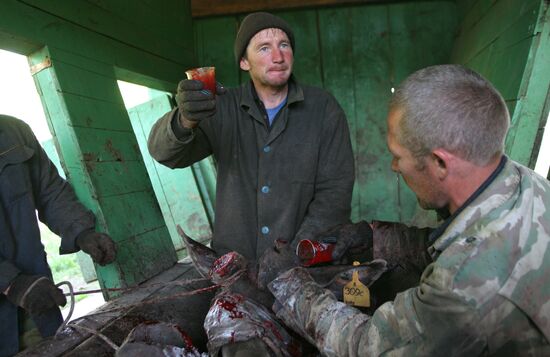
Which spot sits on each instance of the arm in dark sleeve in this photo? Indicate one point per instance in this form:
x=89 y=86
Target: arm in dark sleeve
x=8 y=272
x=331 y=204
x=175 y=146
x=406 y=251
x=56 y=203
x=398 y=243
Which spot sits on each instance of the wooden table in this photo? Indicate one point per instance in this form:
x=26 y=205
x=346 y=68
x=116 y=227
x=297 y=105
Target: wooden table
x=159 y=302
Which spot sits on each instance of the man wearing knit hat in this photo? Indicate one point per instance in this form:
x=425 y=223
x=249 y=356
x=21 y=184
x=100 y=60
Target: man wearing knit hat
x=285 y=166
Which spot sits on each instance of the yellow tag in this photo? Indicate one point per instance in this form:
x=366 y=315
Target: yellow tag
x=355 y=292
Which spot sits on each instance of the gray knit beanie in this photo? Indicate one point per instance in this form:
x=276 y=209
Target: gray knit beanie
x=254 y=23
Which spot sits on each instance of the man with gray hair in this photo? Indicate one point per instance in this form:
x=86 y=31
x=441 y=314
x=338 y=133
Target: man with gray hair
x=486 y=289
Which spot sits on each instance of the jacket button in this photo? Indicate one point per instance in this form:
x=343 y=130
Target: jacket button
x=267 y=148
x=265 y=189
x=265 y=229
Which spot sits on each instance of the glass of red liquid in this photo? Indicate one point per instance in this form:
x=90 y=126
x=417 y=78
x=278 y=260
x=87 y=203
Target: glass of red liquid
x=311 y=252
x=207 y=75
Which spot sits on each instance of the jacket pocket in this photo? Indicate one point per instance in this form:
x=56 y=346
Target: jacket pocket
x=303 y=164
x=14 y=172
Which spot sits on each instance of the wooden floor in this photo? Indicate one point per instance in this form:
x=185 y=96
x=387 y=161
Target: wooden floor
x=165 y=301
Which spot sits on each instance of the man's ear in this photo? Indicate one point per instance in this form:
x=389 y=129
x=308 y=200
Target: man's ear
x=441 y=160
x=245 y=66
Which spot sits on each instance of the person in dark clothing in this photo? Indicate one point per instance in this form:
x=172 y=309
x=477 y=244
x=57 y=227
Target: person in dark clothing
x=285 y=166
x=30 y=183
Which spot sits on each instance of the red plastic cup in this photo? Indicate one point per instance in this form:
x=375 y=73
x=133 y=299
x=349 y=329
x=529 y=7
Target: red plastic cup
x=207 y=75
x=312 y=252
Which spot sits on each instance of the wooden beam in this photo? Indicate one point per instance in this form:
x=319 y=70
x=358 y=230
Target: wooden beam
x=203 y=8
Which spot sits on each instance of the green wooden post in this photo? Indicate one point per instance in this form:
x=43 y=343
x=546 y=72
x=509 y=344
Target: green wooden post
x=531 y=112
x=507 y=41
x=97 y=145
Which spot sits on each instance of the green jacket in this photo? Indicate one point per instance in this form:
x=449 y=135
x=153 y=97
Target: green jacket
x=487 y=291
x=288 y=182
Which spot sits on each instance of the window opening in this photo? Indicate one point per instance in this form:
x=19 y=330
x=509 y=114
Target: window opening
x=185 y=196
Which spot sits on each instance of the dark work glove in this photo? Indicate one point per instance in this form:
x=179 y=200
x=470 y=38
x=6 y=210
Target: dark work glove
x=34 y=293
x=280 y=258
x=347 y=237
x=99 y=246
x=195 y=103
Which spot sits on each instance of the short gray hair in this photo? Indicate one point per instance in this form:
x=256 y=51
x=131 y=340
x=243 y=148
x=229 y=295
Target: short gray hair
x=451 y=107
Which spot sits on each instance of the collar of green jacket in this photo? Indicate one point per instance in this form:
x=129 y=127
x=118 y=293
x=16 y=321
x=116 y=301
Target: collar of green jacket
x=444 y=235
x=500 y=242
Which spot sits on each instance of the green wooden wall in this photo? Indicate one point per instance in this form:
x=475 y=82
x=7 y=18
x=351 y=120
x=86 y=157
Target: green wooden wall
x=508 y=41
x=83 y=47
x=358 y=53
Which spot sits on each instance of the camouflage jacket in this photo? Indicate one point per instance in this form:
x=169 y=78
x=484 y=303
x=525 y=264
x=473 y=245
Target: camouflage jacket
x=487 y=291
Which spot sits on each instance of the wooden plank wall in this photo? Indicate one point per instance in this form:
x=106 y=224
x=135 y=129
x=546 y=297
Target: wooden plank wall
x=358 y=53
x=501 y=40
x=203 y=8
x=91 y=44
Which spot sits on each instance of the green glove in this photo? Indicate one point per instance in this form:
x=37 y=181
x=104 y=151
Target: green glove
x=99 y=246
x=195 y=103
x=34 y=293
